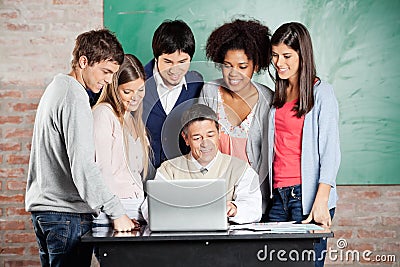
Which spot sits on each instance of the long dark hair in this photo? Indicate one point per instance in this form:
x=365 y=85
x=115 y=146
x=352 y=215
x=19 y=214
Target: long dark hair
x=296 y=36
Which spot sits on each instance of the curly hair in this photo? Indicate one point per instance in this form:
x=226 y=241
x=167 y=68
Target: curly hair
x=248 y=35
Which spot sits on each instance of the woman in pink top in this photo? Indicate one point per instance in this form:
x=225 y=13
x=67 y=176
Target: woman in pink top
x=122 y=148
x=303 y=137
x=240 y=48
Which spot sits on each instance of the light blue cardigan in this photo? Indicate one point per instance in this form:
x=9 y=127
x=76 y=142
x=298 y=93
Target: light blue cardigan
x=320 y=154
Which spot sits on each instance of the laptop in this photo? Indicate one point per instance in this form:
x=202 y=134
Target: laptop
x=187 y=205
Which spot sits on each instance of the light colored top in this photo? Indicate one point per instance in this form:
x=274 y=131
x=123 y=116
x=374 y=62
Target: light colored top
x=168 y=97
x=132 y=208
x=256 y=145
x=234 y=146
x=287 y=157
x=233 y=138
x=320 y=154
x=210 y=96
x=121 y=173
x=63 y=176
x=241 y=130
x=242 y=182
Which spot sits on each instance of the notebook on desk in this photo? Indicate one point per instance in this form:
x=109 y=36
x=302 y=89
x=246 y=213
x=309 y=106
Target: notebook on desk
x=187 y=205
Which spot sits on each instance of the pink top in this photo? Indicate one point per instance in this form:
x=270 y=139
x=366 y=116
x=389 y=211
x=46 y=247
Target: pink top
x=287 y=147
x=120 y=161
x=233 y=139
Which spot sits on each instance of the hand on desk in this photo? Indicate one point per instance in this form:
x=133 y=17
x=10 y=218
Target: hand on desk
x=136 y=223
x=320 y=212
x=124 y=223
x=231 y=209
x=320 y=215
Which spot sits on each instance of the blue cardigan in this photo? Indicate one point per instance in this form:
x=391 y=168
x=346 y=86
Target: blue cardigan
x=320 y=153
x=165 y=131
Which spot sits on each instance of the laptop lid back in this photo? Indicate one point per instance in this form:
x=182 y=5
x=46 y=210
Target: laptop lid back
x=187 y=205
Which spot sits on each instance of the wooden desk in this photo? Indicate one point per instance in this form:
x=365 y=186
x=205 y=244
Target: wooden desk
x=188 y=249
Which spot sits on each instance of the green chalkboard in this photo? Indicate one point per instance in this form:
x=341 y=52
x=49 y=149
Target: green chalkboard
x=357 y=47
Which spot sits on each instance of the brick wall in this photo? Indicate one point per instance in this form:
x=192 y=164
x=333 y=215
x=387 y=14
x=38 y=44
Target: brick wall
x=36 y=41
x=367 y=218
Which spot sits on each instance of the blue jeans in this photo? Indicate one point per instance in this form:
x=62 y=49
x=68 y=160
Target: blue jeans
x=58 y=235
x=286 y=206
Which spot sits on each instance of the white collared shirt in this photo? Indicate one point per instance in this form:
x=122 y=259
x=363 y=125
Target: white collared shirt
x=168 y=97
x=199 y=166
x=247 y=194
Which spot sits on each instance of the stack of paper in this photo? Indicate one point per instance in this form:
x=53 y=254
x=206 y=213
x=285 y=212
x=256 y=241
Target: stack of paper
x=277 y=227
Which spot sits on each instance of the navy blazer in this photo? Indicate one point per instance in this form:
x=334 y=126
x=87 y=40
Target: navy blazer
x=165 y=131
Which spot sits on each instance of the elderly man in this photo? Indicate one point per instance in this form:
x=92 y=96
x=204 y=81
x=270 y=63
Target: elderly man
x=205 y=161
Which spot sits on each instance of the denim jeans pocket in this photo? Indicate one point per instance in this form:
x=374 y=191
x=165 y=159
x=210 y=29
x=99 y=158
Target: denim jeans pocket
x=86 y=225
x=37 y=233
x=58 y=235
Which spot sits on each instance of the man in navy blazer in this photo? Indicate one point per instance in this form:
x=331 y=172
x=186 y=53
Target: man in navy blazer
x=170 y=89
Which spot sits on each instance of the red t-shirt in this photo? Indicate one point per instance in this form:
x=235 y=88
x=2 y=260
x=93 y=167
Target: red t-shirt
x=287 y=146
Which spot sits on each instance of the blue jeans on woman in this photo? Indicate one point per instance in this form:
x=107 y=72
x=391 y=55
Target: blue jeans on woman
x=58 y=235
x=286 y=206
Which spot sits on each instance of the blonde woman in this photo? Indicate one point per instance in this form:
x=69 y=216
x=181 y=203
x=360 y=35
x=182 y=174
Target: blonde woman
x=122 y=147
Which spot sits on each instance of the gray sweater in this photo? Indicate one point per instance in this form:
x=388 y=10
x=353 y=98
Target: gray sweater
x=63 y=176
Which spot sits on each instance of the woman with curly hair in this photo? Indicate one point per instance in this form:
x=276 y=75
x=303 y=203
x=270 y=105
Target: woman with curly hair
x=241 y=48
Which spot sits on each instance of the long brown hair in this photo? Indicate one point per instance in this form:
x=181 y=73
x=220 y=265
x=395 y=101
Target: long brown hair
x=296 y=36
x=130 y=70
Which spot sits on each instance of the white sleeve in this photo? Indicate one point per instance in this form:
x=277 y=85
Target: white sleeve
x=247 y=198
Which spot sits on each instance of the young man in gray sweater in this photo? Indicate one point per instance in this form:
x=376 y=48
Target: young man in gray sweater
x=65 y=187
